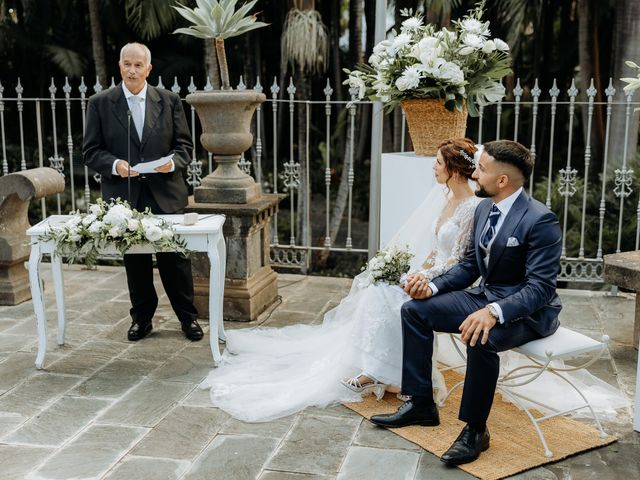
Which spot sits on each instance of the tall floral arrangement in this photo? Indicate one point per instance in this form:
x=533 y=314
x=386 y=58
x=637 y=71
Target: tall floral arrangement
x=461 y=65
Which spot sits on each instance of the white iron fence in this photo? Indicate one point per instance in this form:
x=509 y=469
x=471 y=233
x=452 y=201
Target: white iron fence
x=307 y=149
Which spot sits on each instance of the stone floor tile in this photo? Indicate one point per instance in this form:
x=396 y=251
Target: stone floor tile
x=11 y=343
x=371 y=436
x=146 y=404
x=273 y=429
x=104 y=316
x=431 y=467
x=199 y=397
x=284 y=318
x=334 y=411
x=7 y=323
x=32 y=395
x=88 y=358
x=143 y=468
x=231 y=457
x=155 y=348
x=540 y=473
x=273 y=475
x=365 y=463
x=91 y=454
x=9 y=422
x=15 y=369
x=23 y=327
x=191 y=365
x=182 y=434
x=114 y=379
x=17 y=461
x=58 y=423
x=316 y=444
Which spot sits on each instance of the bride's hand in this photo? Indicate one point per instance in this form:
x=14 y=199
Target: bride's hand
x=417 y=287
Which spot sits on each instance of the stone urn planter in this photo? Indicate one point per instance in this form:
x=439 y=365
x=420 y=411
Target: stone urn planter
x=225 y=117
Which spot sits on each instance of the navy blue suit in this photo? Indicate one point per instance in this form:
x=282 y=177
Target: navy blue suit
x=520 y=277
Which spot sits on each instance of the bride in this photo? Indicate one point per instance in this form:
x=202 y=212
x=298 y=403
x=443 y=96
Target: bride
x=268 y=373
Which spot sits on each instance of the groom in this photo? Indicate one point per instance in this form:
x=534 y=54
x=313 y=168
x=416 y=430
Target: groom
x=515 y=251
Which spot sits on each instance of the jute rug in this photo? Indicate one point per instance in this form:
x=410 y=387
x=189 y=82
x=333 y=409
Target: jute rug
x=515 y=446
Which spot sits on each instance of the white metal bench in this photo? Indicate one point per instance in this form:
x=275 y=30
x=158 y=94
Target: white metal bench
x=564 y=344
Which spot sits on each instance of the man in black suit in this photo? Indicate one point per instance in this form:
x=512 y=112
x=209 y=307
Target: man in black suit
x=150 y=123
x=515 y=251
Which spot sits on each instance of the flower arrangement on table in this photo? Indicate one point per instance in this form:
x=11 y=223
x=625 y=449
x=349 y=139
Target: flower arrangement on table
x=114 y=223
x=460 y=66
x=389 y=265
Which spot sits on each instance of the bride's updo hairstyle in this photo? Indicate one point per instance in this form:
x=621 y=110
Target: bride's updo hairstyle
x=457 y=154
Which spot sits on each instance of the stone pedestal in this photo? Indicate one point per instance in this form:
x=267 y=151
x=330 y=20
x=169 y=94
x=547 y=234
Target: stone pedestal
x=16 y=190
x=623 y=270
x=251 y=285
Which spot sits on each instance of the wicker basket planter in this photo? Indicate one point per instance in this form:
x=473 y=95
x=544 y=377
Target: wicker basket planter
x=430 y=123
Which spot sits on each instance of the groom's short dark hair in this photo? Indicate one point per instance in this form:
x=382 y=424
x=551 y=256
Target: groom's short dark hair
x=512 y=153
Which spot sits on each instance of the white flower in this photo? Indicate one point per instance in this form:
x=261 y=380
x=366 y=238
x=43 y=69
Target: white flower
x=95 y=227
x=426 y=50
x=74 y=236
x=474 y=41
x=410 y=78
x=167 y=234
x=411 y=23
x=489 y=46
x=387 y=258
x=355 y=81
x=89 y=219
x=471 y=25
x=114 y=232
x=74 y=221
x=501 y=45
x=117 y=215
x=153 y=233
x=400 y=42
x=133 y=224
x=95 y=209
x=450 y=72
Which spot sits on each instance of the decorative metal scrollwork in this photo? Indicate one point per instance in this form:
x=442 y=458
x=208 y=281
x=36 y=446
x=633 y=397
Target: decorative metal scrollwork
x=244 y=165
x=567 y=187
x=291 y=175
x=194 y=173
x=57 y=163
x=623 y=180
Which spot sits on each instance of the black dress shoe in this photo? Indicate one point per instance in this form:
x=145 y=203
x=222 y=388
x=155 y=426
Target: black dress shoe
x=410 y=413
x=192 y=330
x=467 y=446
x=138 y=332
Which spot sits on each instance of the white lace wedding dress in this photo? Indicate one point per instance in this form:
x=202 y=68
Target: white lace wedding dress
x=268 y=373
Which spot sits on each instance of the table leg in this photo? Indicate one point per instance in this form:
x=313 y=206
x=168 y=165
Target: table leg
x=636 y=414
x=58 y=286
x=38 y=302
x=215 y=305
x=222 y=273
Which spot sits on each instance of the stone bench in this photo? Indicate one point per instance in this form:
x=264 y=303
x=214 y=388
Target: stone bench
x=623 y=270
x=16 y=191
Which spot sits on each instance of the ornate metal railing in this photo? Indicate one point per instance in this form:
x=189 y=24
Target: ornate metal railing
x=587 y=201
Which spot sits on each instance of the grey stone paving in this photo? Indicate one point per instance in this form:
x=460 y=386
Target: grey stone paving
x=107 y=408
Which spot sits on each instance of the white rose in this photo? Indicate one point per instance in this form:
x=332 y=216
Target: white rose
x=153 y=233
x=387 y=258
x=95 y=209
x=501 y=45
x=450 y=72
x=95 y=227
x=114 y=232
x=132 y=224
x=88 y=220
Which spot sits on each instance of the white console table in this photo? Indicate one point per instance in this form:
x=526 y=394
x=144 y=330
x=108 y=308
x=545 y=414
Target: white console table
x=405 y=181
x=204 y=236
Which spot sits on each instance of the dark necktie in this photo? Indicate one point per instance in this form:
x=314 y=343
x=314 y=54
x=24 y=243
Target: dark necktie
x=494 y=215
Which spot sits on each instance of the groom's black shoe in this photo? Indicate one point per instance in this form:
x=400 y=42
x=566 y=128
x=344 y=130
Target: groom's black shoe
x=192 y=330
x=139 y=331
x=467 y=447
x=411 y=412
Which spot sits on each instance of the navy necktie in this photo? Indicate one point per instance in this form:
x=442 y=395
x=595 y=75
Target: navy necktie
x=494 y=215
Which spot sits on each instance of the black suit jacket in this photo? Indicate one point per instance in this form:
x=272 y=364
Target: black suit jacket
x=524 y=261
x=165 y=132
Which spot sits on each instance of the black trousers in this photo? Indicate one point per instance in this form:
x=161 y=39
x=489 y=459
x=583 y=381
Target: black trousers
x=445 y=313
x=175 y=273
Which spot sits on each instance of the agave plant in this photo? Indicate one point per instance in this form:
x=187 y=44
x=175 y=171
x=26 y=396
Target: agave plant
x=217 y=20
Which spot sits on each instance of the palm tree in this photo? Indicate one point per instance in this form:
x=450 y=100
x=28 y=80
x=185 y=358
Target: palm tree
x=97 y=44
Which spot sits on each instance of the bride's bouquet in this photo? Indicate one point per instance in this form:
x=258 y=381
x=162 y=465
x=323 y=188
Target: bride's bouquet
x=388 y=265
x=115 y=223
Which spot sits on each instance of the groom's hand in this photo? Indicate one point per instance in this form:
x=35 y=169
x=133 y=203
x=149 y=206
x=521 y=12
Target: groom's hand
x=417 y=287
x=478 y=323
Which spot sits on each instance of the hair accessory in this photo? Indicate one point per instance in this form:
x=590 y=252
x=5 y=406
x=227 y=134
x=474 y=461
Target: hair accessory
x=469 y=159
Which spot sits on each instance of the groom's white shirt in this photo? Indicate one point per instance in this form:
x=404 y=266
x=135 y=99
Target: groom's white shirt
x=504 y=206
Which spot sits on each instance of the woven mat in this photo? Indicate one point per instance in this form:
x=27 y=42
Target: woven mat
x=515 y=446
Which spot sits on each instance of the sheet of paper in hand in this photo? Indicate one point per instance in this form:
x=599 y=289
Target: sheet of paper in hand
x=150 y=167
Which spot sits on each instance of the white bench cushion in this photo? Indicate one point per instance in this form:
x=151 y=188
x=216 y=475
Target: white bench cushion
x=564 y=343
